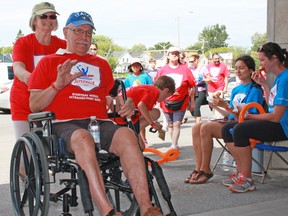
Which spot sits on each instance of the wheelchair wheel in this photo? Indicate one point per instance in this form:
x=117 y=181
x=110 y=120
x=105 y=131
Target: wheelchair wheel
x=118 y=189
x=29 y=177
x=122 y=199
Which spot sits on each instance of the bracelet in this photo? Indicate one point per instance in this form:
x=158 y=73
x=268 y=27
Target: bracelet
x=152 y=124
x=53 y=86
x=228 y=108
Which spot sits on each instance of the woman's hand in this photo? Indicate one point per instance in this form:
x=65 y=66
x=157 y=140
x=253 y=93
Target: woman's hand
x=258 y=77
x=219 y=102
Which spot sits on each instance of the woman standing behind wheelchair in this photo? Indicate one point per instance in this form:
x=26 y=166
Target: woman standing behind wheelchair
x=271 y=126
x=27 y=52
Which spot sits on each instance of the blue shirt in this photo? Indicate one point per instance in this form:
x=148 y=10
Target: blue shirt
x=152 y=73
x=279 y=96
x=132 y=80
x=246 y=94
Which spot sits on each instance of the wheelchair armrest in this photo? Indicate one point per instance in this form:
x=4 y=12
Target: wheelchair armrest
x=116 y=115
x=41 y=116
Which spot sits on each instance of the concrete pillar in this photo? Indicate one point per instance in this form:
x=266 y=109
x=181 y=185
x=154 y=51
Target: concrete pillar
x=277 y=31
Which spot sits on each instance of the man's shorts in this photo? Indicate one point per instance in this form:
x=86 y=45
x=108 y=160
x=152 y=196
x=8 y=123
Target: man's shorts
x=64 y=131
x=175 y=116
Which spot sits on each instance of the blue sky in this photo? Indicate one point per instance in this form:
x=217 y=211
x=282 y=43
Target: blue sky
x=130 y=22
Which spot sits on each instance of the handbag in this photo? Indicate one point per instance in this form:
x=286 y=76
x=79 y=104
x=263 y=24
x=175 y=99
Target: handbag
x=174 y=105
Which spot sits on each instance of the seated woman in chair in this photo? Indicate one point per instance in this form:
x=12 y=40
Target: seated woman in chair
x=204 y=132
x=272 y=126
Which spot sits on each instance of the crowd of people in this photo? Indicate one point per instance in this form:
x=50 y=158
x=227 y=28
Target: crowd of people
x=60 y=70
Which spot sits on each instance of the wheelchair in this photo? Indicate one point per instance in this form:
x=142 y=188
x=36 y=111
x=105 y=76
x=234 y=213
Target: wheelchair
x=38 y=156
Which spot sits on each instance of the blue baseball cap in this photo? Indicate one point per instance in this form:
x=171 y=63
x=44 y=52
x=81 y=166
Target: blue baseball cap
x=80 y=18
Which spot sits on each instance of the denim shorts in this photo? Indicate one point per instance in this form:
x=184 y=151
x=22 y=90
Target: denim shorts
x=175 y=116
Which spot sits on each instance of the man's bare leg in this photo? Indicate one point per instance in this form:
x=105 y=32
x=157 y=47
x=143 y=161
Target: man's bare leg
x=83 y=147
x=125 y=146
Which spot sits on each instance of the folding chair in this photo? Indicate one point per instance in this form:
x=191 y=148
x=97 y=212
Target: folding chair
x=268 y=147
x=220 y=155
x=271 y=148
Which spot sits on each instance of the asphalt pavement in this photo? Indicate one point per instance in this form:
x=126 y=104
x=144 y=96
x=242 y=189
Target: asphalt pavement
x=209 y=199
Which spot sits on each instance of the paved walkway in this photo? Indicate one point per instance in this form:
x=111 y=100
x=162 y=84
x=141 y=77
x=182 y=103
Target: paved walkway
x=210 y=199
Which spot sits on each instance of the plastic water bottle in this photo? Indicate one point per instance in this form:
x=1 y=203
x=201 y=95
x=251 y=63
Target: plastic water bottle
x=94 y=129
x=226 y=161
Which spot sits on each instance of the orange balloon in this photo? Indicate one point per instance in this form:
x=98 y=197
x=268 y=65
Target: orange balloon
x=260 y=109
x=170 y=155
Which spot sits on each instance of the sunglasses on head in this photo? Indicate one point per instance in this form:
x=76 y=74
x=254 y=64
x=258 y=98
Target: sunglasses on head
x=44 y=16
x=264 y=49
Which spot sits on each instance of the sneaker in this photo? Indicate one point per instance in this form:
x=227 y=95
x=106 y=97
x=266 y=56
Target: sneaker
x=243 y=184
x=165 y=128
x=153 y=211
x=175 y=147
x=232 y=179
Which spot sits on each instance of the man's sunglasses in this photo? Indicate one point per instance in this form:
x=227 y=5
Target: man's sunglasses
x=44 y=16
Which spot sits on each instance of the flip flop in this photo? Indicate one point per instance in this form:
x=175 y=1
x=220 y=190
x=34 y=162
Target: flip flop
x=193 y=175
x=202 y=178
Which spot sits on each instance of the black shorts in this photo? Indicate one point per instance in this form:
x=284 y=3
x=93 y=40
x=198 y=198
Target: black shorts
x=64 y=131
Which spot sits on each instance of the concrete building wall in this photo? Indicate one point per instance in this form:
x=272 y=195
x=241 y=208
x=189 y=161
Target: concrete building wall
x=277 y=31
x=277 y=24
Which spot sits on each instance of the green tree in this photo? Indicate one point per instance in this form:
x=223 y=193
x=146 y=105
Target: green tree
x=138 y=48
x=19 y=34
x=197 y=46
x=112 y=62
x=237 y=51
x=213 y=37
x=105 y=45
x=162 y=46
x=258 y=39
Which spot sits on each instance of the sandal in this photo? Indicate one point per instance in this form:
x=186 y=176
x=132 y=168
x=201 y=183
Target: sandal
x=193 y=175
x=204 y=177
x=185 y=119
x=113 y=212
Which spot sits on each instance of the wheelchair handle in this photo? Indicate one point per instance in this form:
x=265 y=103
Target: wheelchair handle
x=114 y=91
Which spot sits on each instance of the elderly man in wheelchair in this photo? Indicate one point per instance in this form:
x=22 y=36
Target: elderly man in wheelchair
x=75 y=85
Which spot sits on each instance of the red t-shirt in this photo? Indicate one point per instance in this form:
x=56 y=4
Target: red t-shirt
x=148 y=94
x=29 y=51
x=184 y=80
x=85 y=96
x=217 y=74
